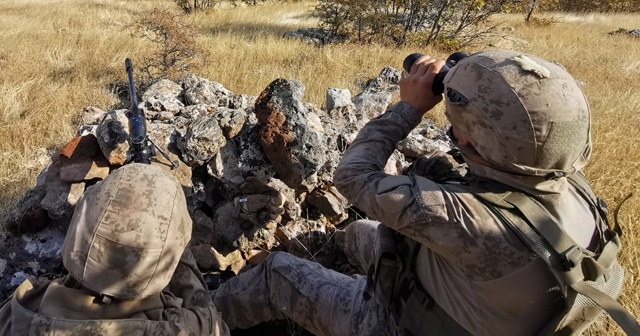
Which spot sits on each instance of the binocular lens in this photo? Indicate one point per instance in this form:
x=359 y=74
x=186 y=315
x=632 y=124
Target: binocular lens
x=438 y=83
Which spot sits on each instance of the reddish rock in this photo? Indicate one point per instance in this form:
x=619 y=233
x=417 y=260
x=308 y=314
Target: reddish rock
x=83 y=169
x=81 y=147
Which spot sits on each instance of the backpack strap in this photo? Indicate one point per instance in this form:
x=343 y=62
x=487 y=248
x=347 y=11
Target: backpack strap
x=598 y=207
x=575 y=268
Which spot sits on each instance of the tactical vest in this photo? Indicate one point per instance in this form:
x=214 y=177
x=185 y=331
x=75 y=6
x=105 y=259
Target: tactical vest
x=591 y=281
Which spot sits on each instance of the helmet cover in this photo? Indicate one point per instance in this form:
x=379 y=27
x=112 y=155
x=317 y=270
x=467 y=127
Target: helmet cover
x=128 y=233
x=523 y=115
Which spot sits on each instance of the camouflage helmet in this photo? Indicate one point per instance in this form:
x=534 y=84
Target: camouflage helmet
x=128 y=233
x=523 y=115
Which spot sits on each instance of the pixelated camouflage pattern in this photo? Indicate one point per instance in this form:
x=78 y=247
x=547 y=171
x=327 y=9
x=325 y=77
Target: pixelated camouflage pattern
x=360 y=243
x=128 y=232
x=474 y=267
x=63 y=307
x=518 y=120
x=323 y=301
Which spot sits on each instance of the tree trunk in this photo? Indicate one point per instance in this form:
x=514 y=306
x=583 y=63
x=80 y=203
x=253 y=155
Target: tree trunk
x=533 y=7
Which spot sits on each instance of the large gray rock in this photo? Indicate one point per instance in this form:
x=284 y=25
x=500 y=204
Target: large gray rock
x=61 y=197
x=337 y=98
x=28 y=256
x=628 y=32
x=166 y=137
x=163 y=96
x=291 y=136
x=28 y=215
x=242 y=101
x=203 y=91
x=209 y=258
x=113 y=136
x=251 y=157
x=202 y=140
x=231 y=121
x=424 y=140
x=372 y=104
x=378 y=93
x=341 y=125
x=229 y=231
x=199 y=111
x=225 y=167
x=330 y=203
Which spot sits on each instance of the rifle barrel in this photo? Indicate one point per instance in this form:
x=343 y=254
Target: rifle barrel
x=132 y=88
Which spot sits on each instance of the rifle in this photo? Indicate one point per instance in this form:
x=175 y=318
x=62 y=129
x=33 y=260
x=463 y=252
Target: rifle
x=141 y=146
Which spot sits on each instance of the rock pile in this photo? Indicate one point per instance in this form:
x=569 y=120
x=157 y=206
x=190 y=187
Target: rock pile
x=628 y=32
x=220 y=139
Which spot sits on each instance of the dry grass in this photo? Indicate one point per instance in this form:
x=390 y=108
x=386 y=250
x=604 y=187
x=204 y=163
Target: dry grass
x=58 y=56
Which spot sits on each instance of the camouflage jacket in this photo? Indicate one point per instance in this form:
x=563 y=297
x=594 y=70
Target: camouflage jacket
x=473 y=266
x=62 y=307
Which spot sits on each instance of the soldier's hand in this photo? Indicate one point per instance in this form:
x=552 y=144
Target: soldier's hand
x=260 y=203
x=415 y=89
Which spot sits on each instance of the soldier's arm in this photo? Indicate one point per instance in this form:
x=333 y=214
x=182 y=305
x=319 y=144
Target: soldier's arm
x=453 y=224
x=188 y=284
x=188 y=290
x=404 y=203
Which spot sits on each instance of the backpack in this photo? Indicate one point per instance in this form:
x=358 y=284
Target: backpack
x=590 y=281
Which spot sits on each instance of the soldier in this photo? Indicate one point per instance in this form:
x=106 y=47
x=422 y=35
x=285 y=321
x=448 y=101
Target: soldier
x=479 y=254
x=127 y=237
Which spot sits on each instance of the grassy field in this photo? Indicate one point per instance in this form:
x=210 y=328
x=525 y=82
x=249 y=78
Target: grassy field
x=59 y=56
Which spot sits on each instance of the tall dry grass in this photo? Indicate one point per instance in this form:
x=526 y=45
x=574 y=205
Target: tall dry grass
x=59 y=56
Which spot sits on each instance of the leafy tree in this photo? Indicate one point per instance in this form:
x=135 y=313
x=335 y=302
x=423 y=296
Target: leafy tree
x=448 y=23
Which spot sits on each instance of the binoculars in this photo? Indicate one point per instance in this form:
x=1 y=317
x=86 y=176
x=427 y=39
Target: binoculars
x=438 y=82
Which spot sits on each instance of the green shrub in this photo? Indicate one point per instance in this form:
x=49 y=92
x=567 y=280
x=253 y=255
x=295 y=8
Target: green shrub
x=404 y=21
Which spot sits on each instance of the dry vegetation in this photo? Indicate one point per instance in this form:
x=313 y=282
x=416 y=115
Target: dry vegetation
x=58 y=56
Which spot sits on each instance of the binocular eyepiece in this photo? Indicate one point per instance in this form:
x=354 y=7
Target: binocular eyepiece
x=438 y=83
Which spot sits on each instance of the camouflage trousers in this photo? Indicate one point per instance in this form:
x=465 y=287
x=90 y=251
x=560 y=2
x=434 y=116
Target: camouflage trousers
x=322 y=301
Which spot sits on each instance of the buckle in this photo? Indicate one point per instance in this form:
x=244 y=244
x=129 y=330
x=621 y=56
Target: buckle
x=571 y=258
x=405 y=287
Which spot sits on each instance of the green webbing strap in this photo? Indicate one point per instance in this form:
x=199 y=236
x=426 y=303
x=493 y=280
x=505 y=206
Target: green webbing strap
x=578 y=264
x=542 y=222
x=619 y=314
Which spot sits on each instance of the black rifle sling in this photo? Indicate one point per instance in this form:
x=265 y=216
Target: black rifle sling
x=569 y=263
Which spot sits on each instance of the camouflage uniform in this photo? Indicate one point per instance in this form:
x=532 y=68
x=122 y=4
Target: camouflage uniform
x=529 y=127
x=127 y=236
